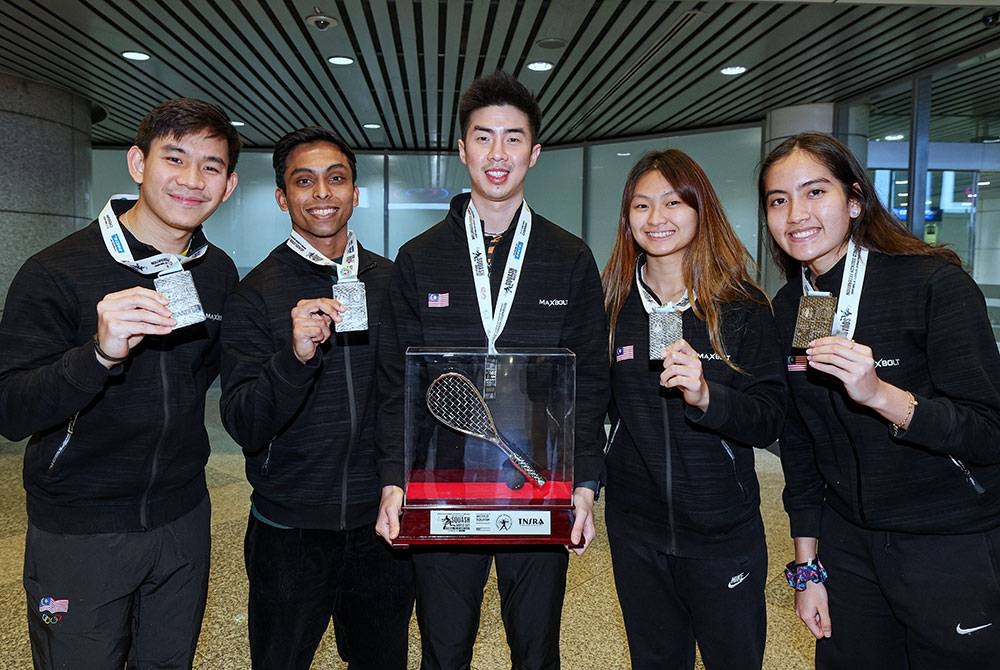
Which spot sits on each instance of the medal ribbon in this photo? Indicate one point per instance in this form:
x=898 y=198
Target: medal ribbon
x=347 y=271
x=495 y=320
x=649 y=301
x=851 y=285
x=114 y=240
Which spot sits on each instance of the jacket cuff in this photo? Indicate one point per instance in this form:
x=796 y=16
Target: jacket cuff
x=84 y=371
x=805 y=523
x=717 y=415
x=293 y=371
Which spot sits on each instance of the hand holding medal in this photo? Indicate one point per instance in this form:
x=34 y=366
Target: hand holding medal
x=311 y=319
x=682 y=370
x=125 y=317
x=851 y=362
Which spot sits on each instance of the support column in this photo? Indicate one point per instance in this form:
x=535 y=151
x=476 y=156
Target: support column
x=45 y=175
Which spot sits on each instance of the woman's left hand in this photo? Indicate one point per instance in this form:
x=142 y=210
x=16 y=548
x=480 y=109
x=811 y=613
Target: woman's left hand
x=682 y=370
x=851 y=362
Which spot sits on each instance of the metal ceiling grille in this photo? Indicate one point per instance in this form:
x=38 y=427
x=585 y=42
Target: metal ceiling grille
x=628 y=67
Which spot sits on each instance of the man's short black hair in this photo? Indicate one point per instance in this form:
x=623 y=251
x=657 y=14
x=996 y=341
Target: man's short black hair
x=287 y=144
x=181 y=117
x=499 y=89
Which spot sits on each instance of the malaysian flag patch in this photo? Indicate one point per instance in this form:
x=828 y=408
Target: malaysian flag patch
x=437 y=299
x=625 y=353
x=797 y=363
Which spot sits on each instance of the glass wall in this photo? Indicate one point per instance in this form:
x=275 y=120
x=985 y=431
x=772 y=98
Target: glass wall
x=420 y=187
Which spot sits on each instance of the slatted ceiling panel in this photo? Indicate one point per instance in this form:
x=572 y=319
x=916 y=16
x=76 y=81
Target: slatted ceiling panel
x=629 y=67
x=677 y=79
x=610 y=45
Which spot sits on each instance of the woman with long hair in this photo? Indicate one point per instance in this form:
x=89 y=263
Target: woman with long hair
x=697 y=383
x=891 y=449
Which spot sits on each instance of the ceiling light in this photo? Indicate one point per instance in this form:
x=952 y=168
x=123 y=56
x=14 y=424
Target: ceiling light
x=624 y=153
x=551 y=43
x=902 y=195
x=893 y=138
x=982 y=183
x=321 y=21
x=900 y=182
x=340 y=60
x=540 y=66
x=371 y=126
x=237 y=124
x=733 y=70
x=135 y=55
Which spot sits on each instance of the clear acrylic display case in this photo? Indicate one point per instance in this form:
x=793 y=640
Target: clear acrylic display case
x=489 y=446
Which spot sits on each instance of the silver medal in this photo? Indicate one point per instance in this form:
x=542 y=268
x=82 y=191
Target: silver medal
x=352 y=296
x=665 y=328
x=179 y=289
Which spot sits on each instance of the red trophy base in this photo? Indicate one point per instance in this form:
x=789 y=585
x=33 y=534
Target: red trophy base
x=484 y=513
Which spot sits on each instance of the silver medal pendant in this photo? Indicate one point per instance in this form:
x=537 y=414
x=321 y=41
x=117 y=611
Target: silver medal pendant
x=665 y=328
x=490 y=378
x=185 y=304
x=352 y=296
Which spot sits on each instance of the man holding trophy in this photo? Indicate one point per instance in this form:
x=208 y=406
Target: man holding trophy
x=494 y=274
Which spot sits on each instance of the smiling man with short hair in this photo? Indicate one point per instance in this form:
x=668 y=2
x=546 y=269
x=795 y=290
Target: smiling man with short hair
x=108 y=343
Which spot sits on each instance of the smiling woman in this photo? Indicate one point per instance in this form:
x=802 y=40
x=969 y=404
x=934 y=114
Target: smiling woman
x=890 y=455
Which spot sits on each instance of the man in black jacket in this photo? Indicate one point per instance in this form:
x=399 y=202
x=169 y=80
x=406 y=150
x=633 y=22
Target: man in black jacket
x=556 y=302
x=297 y=394
x=108 y=343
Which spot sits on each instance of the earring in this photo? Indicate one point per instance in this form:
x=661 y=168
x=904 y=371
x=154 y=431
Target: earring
x=855 y=212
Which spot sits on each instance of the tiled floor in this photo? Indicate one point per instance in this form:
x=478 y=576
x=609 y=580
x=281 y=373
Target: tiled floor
x=592 y=632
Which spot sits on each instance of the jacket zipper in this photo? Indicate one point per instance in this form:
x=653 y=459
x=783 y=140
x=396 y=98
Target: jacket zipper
x=266 y=466
x=611 y=436
x=670 y=476
x=144 y=501
x=62 y=447
x=976 y=486
x=732 y=461
x=353 y=436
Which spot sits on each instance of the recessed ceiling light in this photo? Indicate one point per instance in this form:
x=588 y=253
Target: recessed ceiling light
x=135 y=55
x=551 y=43
x=733 y=70
x=982 y=183
x=902 y=195
x=894 y=138
x=900 y=182
x=371 y=126
x=237 y=124
x=340 y=60
x=540 y=66
x=624 y=153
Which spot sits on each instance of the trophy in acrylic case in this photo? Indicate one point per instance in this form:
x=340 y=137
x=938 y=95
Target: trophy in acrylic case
x=489 y=446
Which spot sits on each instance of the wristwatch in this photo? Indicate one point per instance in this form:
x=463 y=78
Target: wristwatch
x=799 y=575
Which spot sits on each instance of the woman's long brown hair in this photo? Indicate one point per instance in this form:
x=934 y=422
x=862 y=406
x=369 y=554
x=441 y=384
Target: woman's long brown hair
x=715 y=263
x=875 y=227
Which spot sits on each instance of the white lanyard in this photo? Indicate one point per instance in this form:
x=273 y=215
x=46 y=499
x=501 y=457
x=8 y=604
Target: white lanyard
x=114 y=240
x=347 y=271
x=851 y=285
x=494 y=321
x=649 y=301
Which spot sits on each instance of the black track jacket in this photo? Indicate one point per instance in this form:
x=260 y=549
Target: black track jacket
x=135 y=457
x=307 y=431
x=926 y=323
x=698 y=494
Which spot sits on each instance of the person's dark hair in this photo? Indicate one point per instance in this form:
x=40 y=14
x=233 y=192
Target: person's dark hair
x=181 y=117
x=875 y=227
x=287 y=144
x=715 y=263
x=500 y=89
